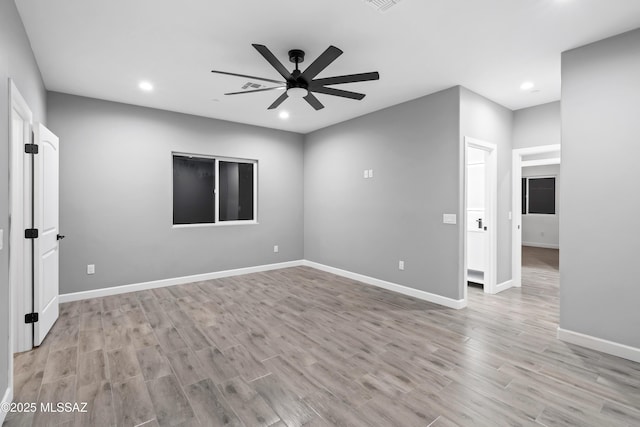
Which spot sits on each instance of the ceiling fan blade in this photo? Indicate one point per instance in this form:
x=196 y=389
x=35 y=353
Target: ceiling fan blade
x=249 y=77
x=322 y=62
x=351 y=78
x=278 y=101
x=338 y=92
x=271 y=59
x=257 y=90
x=313 y=101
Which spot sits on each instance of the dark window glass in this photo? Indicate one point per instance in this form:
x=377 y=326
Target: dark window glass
x=542 y=195
x=236 y=191
x=193 y=190
x=524 y=196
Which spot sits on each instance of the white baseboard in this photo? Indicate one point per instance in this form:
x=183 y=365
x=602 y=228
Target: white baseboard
x=8 y=398
x=541 y=245
x=503 y=286
x=116 y=290
x=598 y=344
x=426 y=296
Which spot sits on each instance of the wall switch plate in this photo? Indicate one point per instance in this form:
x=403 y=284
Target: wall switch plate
x=366 y=173
x=510 y=216
x=370 y=173
x=400 y=265
x=449 y=218
x=1 y=239
x=276 y=249
x=91 y=269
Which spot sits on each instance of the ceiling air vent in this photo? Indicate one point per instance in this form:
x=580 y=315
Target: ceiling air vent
x=382 y=5
x=251 y=85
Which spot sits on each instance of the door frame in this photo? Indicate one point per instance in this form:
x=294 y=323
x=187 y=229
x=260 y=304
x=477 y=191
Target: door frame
x=516 y=199
x=491 y=209
x=20 y=334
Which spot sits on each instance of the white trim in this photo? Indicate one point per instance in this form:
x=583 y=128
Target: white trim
x=7 y=399
x=116 y=290
x=599 y=344
x=541 y=162
x=516 y=204
x=491 y=212
x=216 y=224
x=503 y=286
x=20 y=337
x=426 y=296
x=541 y=245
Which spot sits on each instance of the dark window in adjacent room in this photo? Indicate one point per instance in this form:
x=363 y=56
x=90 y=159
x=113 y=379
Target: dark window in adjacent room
x=539 y=195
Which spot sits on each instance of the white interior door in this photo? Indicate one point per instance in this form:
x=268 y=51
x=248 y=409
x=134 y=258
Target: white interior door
x=476 y=225
x=46 y=213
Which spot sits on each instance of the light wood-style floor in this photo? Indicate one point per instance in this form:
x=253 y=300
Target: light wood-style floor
x=302 y=347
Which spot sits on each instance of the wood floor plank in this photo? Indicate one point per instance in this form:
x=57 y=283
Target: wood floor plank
x=210 y=406
x=123 y=364
x=289 y=407
x=132 y=404
x=60 y=364
x=250 y=407
x=153 y=363
x=170 y=403
x=98 y=397
x=186 y=366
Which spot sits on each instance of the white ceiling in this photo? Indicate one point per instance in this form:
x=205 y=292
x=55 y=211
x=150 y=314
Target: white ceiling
x=102 y=49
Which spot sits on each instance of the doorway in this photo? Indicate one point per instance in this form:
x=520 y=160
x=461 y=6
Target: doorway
x=480 y=208
x=524 y=157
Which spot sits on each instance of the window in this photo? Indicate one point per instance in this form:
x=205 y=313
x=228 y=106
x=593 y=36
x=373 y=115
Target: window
x=210 y=190
x=539 y=195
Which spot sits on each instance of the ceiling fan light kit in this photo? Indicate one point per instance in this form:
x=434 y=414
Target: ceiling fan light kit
x=298 y=84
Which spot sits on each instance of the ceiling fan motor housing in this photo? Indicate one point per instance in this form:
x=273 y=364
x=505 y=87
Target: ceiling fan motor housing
x=296 y=56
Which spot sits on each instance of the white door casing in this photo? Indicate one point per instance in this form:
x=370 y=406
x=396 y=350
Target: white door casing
x=19 y=220
x=46 y=211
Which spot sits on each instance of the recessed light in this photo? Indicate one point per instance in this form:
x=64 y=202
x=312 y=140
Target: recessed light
x=145 y=86
x=284 y=115
x=527 y=86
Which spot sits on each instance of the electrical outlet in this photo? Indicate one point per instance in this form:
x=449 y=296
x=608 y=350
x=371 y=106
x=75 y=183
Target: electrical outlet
x=91 y=269
x=276 y=249
x=366 y=174
x=400 y=265
x=370 y=173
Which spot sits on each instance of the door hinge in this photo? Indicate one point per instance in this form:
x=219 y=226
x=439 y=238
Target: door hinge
x=31 y=318
x=31 y=233
x=31 y=148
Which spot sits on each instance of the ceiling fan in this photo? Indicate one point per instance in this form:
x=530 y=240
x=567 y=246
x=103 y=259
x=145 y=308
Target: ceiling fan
x=302 y=84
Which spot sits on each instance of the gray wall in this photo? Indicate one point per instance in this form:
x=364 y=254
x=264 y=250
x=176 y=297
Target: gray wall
x=539 y=125
x=483 y=119
x=542 y=229
x=599 y=290
x=116 y=194
x=367 y=225
x=16 y=62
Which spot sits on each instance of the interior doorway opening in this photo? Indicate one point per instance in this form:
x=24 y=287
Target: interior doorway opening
x=522 y=158
x=480 y=209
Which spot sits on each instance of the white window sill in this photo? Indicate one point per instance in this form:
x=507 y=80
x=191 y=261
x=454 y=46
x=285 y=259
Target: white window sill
x=216 y=224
